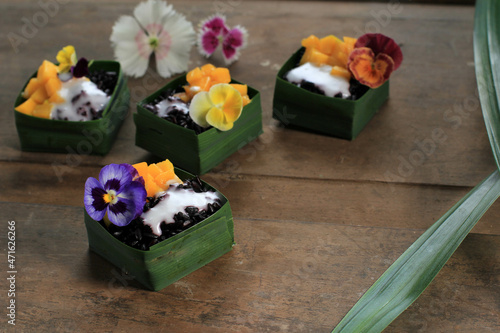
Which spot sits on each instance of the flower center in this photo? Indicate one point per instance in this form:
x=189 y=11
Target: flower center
x=111 y=197
x=154 y=42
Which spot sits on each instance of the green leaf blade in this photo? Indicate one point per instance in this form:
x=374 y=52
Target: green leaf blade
x=415 y=269
x=487 y=60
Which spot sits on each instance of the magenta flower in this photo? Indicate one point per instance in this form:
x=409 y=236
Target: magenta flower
x=119 y=192
x=214 y=32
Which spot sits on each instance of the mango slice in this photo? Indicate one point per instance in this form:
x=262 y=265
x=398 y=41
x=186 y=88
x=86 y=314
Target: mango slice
x=42 y=92
x=245 y=100
x=317 y=57
x=220 y=75
x=183 y=96
x=46 y=71
x=310 y=42
x=340 y=71
x=242 y=88
x=329 y=44
x=194 y=76
x=204 y=83
x=157 y=177
x=31 y=87
x=165 y=166
x=40 y=95
x=52 y=86
x=43 y=110
x=207 y=69
x=56 y=99
x=154 y=170
x=151 y=187
x=142 y=168
x=165 y=178
x=27 y=107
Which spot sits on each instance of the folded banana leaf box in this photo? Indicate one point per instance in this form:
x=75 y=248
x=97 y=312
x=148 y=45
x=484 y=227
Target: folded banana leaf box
x=83 y=137
x=196 y=153
x=173 y=258
x=333 y=116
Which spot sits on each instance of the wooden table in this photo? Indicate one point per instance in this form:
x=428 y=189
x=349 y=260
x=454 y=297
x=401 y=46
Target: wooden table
x=317 y=219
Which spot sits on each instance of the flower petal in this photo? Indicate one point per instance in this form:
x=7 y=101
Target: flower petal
x=236 y=37
x=380 y=43
x=216 y=24
x=233 y=106
x=115 y=177
x=207 y=42
x=175 y=43
x=233 y=42
x=81 y=68
x=152 y=12
x=93 y=199
x=217 y=119
x=199 y=107
x=119 y=213
x=133 y=172
x=226 y=106
x=131 y=46
x=370 y=70
x=66 y=58
x=129 y=205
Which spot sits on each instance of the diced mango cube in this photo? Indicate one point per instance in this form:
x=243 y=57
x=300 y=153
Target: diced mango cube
x=329 y=44
x=318 y=58
x=165 y=166
x=154 y=170
x=194 y=75
x=335 y=61
x=151 y=187
x=56 y=99
x=307 y=55
x=46 y=71
x=242 y=88
x=220 y=75
x=53 y=85
x=40 y=95
x=340 y=71
x=31 y=87
x=207 y=69
x=349 y=43
x=27 y=107
x=43 y=110
x=142 y=168
x=246 y=100
x=165 y=178
x=183 y=96
x=204 y=83
x=310 y=42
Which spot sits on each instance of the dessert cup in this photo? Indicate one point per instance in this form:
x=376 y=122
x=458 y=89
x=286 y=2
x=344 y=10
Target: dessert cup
x=85 y=137
x=333 y=116
x=196 y=153
x=173 y=258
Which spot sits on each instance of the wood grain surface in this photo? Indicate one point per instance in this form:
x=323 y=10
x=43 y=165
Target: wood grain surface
x=317 y=219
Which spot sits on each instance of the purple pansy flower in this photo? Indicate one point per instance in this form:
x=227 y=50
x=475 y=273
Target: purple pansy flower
x=214 y=32
x=81 y=68
x=119 y=192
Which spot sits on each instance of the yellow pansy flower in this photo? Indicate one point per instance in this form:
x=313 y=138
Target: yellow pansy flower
x=66 y=58
x=220 y=107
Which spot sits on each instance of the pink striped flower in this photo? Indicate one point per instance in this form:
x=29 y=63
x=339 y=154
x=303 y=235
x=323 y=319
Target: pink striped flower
x=214 y=32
